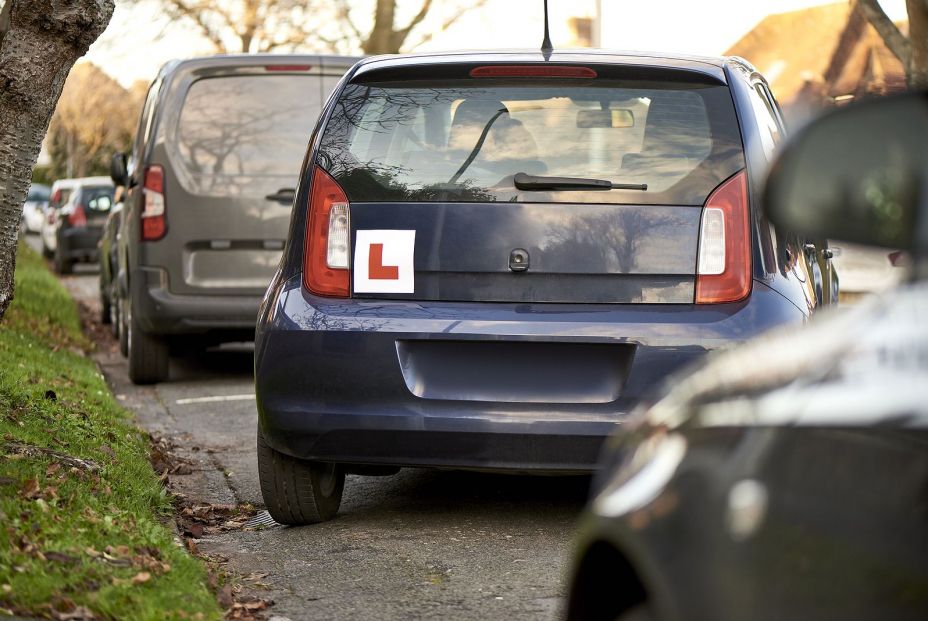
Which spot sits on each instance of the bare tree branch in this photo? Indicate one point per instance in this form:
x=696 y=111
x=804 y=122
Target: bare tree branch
x=416 y=20
x=897 y=43
x=462 y=9
x=343 y=11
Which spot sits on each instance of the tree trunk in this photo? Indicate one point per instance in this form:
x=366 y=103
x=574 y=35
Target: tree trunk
x=917 y=71
x=380 y=40
x=39 y=42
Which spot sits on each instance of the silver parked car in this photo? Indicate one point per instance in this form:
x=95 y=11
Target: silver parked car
x=219 y=146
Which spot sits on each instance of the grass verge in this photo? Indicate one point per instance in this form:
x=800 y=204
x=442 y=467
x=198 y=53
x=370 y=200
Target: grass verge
x=81 y=511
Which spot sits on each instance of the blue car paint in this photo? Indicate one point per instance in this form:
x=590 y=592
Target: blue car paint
x=329 y=379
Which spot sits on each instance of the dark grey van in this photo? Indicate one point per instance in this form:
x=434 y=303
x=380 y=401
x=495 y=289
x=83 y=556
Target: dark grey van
x=219 y=145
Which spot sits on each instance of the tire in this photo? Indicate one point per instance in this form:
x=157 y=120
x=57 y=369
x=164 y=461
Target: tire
x=298 y=492
x=123 y=328
x=638 y=613
x=61 y=264
x=106 y=310
x=114 y=313
x=148 y=354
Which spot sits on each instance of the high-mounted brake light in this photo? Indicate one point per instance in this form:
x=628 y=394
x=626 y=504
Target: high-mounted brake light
x=287 y=67
x=326 y=251
x=154 y=223
x=78 y=217
x=724 y=270
x=532 y=71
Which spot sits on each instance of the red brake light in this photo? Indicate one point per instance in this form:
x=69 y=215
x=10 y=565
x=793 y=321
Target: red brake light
x=78 y=216
x=532 y=71
x=154 y=223
x=318 y=276
x=724 y=272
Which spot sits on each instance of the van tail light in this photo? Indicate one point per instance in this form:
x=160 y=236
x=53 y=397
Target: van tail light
x=78 y=217
x=327 y=247
x=154 y=223
x=724 y=270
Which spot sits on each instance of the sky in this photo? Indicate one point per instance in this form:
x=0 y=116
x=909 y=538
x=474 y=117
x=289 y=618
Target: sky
x=133 y=49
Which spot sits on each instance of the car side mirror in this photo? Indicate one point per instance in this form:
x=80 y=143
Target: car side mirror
x=119 y=172
x=858 y=174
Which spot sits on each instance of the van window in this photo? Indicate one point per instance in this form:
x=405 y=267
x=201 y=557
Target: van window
x=463 y=140
x=235 y=128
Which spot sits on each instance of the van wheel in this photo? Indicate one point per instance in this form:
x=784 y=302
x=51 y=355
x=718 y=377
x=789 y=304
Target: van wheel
x=148 y=354
x=296 y=491
x=123 y=328
x=61 y=264
x=106 y=308
x=114 y=313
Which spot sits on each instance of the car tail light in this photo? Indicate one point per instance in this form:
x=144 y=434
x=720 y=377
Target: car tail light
x=724 y=270
x=532 y=71
x=327 y=248
x=154 y=224
x=78 y=216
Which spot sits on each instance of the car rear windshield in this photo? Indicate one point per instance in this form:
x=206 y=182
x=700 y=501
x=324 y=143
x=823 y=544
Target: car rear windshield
x=465 y=139
x=98 y=198
x=239 y=127
x=38 y=194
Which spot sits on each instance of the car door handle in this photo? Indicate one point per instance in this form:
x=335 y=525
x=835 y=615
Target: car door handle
x=284 y=196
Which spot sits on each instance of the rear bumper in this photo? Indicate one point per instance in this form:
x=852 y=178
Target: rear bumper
x=79 y=244
x=161 y=312
x=332 y=382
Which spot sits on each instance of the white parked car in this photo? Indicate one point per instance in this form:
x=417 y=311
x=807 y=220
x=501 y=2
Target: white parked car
x=34 y=208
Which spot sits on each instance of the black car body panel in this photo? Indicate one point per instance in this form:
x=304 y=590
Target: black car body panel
x=786 y=478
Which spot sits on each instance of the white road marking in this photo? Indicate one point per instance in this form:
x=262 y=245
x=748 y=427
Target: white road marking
x=215 y=399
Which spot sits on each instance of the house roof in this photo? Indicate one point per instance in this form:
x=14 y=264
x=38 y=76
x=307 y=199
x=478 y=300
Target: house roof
x=790 y=48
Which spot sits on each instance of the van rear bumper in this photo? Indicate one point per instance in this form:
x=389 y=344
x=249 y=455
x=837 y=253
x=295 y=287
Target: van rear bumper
x=160 y=311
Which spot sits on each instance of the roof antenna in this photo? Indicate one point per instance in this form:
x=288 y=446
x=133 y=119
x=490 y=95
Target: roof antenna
x=546 y=47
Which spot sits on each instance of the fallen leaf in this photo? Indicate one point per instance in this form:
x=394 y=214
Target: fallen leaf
x=141 y=578
x=224 y=597
x=30 y=489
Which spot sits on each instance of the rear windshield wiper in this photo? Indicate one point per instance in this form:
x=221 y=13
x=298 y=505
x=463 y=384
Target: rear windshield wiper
x=524 y=181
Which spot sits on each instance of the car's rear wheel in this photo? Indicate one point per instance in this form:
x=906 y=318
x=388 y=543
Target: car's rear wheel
x=297 y=491
x=62 y=264
x=106 y=307
x=123 y=328
x=148 y=354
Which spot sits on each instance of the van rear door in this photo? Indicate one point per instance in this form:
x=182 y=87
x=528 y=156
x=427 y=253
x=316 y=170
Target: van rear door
x=234 y=142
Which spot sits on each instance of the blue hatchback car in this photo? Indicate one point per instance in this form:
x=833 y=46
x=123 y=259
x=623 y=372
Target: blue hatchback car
x=493 y=256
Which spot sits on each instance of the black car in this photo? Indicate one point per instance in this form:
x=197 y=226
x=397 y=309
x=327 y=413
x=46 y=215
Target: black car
x=493 y=256
x=788 y=479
